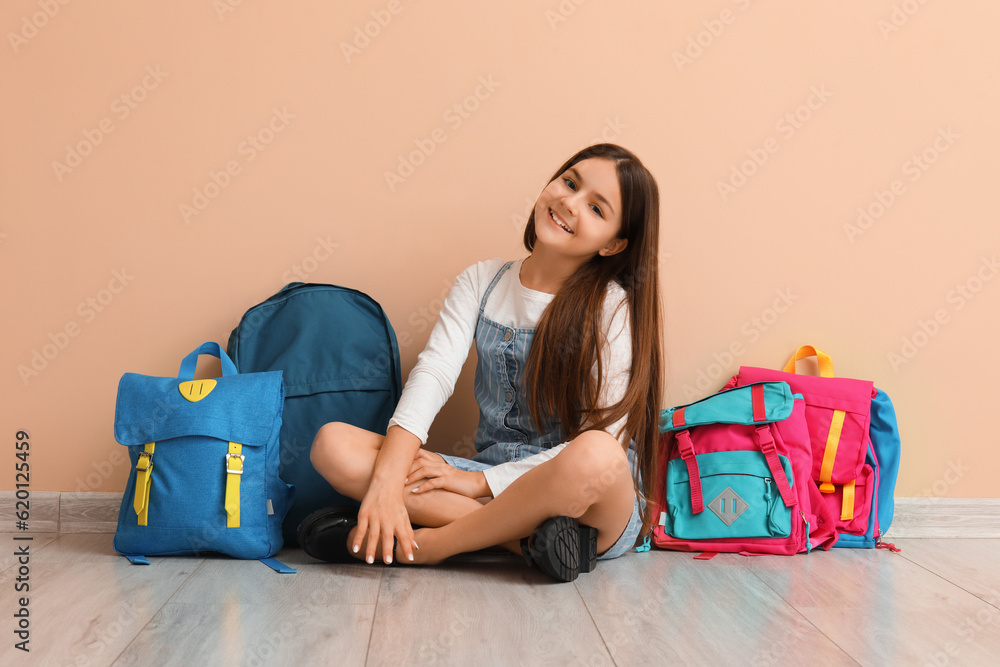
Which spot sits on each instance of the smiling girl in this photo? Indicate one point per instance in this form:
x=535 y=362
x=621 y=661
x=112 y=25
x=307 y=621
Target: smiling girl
x=568 y=385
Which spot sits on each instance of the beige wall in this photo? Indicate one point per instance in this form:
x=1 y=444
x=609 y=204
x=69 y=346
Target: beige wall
x=767 y=125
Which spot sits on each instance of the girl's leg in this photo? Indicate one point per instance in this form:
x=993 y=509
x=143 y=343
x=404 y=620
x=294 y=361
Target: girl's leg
x=345 y=456
x=589 y=480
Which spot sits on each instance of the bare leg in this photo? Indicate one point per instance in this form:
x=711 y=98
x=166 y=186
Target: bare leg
x=589 y=480
x=345 y=456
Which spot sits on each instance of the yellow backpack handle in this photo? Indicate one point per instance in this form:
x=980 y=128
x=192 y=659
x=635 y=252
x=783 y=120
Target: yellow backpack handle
x=825 y=362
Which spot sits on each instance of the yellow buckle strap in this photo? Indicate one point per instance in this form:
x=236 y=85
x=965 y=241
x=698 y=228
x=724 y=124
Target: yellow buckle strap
x=830 y=453
x=847 y=509
x=234 y=470
x=143 y=480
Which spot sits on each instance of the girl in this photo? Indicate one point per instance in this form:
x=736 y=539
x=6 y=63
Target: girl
x=568 y=386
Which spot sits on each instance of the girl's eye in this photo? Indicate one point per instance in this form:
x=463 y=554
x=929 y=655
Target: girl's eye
x=596 y=209
x=570 y=184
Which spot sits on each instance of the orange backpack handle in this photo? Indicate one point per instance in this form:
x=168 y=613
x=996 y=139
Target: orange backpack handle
x=825 y=362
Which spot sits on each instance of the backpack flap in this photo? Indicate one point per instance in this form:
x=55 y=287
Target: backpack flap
x=753 y=404
x=242 y=408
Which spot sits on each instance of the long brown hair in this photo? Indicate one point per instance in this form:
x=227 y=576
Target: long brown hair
x=568 y=338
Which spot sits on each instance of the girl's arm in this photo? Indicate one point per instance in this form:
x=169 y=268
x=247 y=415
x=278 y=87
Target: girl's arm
x=383 y=514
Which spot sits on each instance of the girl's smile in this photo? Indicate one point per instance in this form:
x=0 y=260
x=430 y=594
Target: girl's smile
x=558 y=221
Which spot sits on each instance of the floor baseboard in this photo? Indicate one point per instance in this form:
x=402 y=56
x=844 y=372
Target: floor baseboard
x=72 y=512
x=946 y=518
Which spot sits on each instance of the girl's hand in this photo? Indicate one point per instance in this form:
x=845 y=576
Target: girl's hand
x=437 y=474
x=383 y=516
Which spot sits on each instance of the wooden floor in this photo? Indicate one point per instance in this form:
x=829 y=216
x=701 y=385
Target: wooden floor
x=936 y=603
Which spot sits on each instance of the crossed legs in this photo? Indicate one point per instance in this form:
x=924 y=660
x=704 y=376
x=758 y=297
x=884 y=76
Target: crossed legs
x=589 y=480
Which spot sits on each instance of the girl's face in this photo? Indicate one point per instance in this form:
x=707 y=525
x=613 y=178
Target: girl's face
x=579 y=213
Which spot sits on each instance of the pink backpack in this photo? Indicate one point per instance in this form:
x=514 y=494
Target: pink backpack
x=838 y=416
x=735 y=476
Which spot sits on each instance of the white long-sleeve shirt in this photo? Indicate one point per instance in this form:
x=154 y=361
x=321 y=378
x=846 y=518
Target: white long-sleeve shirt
x=433 y=378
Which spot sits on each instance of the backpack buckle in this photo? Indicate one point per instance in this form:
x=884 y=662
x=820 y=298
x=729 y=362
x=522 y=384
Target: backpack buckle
x=764 y=438
x=145 y=461
x=231 y=463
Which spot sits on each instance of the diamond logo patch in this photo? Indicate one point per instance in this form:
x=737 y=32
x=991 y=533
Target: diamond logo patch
x=728 y=506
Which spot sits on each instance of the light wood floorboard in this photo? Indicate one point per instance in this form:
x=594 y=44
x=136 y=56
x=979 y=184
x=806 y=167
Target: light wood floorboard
x=669 y=607
x=933 y=604
x=487 y=609
x=279 y=633
x=969 y=564
x=882 y=608
x=85 y=604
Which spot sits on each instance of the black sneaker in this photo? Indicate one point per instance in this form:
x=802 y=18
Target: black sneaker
x=323 y=534
x=562 y=548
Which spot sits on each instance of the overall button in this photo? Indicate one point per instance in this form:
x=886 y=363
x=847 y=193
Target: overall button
x=509 y=396
x=506 y=336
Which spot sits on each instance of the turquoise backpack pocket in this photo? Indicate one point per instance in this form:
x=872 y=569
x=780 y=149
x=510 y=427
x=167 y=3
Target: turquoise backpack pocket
x=741 y=499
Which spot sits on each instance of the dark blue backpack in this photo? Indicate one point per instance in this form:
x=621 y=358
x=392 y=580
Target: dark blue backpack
x=340 y=361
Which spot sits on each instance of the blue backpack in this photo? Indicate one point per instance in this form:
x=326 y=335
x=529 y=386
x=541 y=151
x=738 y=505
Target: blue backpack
x=205 y=463
x=339 y=358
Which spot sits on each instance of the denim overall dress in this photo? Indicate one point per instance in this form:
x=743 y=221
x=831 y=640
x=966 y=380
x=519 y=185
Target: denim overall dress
x=507 y=431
